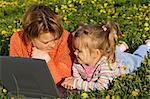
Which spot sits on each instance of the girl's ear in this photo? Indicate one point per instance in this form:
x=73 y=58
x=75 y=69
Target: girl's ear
x=97 y=53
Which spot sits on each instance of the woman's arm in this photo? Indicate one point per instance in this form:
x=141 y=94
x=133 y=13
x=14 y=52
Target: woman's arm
x=60 y=64
x=18 y=47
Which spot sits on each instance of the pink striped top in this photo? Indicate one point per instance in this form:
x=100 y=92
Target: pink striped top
x=98 y=78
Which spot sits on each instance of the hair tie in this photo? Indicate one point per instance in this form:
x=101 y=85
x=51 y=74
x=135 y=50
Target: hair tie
x=104 y=28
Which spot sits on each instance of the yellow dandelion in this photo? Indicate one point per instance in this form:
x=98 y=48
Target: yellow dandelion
x=125 y=67
x=145 y=7
x=4 y=32
x=144 y=36
x=123 y=35
x=93 y=2
x=69 y=1
x=65 y=18
x=9 y=26
x=105 y=5
x=146 y=24
x=107 y=97
x=14 y=30
x=146 y=18
x=113 y=97
x=135 y=92
x=129 y=18
x=84 y=95
x=109 y=0
x=56 y=9
x=4 y=91
x=70 y=5
x=146 y=28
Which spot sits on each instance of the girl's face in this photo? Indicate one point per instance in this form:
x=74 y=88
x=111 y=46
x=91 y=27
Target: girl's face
x=45 y=42
x=84 y=56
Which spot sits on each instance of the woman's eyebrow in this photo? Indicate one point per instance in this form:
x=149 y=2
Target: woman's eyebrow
x=48 y=41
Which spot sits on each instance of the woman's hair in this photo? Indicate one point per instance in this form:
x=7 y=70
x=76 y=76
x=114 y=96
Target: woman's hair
x=40 y=19
x=100 y=37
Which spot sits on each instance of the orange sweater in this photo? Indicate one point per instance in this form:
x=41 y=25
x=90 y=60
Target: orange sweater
x=60 y=63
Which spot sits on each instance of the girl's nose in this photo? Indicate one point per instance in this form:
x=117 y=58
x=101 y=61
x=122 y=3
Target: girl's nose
x=75 y=52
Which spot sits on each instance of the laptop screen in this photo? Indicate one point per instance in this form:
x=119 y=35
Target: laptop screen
x=26 y=76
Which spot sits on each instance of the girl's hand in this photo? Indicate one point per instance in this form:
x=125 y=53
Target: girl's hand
x=39 y=54
x=68 y=83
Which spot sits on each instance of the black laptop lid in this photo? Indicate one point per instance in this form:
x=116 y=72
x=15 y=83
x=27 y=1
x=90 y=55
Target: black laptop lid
x=26 y=76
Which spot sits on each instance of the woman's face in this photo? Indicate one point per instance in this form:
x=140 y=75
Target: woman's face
x=45 y=42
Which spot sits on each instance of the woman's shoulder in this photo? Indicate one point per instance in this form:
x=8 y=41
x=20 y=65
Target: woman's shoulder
x=66 y=34
x=17 y=35
x=66 y=37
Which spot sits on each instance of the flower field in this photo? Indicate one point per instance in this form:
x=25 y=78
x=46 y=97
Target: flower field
x=133 y=17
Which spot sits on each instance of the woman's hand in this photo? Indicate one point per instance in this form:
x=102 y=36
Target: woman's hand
x=68 y=83
x=39 y=54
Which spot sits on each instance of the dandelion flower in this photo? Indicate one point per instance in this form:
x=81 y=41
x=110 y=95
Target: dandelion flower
x=4 y=91
x=4 y=32
x=146 y=18
x=125 y=67
x=146 y=24
x=84 y=95
x=146 y=28
x=135 y=92
x=107 y=97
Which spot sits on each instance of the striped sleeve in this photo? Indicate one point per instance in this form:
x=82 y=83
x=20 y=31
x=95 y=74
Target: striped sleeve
x=105 y=75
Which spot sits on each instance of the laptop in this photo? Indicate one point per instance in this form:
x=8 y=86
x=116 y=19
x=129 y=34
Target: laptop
x=27 y=77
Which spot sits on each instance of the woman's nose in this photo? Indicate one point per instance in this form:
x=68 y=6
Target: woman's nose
x=51 y=45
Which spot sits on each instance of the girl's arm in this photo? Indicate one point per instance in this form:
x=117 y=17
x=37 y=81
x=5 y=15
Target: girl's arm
x=104 y=77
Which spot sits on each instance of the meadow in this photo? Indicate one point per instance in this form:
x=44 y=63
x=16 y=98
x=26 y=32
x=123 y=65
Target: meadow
x=133 y=16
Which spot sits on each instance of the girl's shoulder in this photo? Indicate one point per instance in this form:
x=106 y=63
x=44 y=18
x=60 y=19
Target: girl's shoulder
x=77 y=66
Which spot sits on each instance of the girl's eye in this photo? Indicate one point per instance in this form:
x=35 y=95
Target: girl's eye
x=79 y=51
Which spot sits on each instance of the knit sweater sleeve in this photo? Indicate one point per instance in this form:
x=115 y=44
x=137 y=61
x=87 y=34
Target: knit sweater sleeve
x=17 y=46
x=60 y=65
x=104 y=77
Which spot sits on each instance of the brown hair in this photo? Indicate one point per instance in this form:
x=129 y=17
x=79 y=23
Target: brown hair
x=41 y=19
x=100 y=37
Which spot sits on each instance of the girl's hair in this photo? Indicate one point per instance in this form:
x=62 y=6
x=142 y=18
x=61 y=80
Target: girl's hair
x=40 y=19
x=100 y=37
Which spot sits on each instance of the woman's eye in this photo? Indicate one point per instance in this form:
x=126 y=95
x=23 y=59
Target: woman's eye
x=45 y=42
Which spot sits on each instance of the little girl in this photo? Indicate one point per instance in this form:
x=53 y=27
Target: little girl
x=96 y=66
